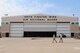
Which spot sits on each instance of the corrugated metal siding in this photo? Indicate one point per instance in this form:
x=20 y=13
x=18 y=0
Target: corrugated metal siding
x=40 y=27
x=63 y=28
x=16 y=29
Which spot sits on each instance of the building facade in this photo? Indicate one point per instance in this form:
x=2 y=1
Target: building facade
x=39 y=25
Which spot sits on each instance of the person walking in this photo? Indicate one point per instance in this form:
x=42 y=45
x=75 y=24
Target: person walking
x=0 y=35
x=61 y=38
x=54 y=39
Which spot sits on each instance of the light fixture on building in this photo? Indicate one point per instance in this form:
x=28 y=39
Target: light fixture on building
x=6 y=14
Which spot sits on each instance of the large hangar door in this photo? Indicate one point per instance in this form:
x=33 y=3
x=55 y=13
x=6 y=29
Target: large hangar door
x=16 y=30
x=64 y=28
x=39 y=26
x=39 y=29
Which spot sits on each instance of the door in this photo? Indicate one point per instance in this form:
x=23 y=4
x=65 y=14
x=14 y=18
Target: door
x=16 y=29
x=64 y=28
x=39 y=27
x=39 y=34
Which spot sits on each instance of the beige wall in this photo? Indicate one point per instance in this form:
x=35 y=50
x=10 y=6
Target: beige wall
x=12 y=19
x=66 y=19
x=74 y=28
x=5 y=28
x=20 y=18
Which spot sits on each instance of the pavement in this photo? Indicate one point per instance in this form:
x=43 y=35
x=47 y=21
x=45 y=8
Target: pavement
x=39 y=45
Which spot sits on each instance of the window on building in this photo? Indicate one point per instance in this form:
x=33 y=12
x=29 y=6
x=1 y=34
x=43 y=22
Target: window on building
x=2 y=23
x=77 y=23
x=56 y=19
x=50 y=16
x=55 y=16
x=45 y=16
x=72 y=23
x=26 y=19
x=31 y=19
x=30 y=16
x=7 y=23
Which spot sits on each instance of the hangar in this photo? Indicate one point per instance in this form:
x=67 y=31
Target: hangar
x=39 y=25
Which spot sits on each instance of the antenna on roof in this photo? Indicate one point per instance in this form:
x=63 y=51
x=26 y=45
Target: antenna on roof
x=73 y=14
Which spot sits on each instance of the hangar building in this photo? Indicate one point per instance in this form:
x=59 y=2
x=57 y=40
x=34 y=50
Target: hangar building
x=39 y=25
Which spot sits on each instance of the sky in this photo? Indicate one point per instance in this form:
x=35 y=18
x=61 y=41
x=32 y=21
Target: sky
x=55 y=7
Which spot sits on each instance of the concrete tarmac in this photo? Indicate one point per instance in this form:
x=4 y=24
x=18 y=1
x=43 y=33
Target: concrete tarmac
x=39 y=45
